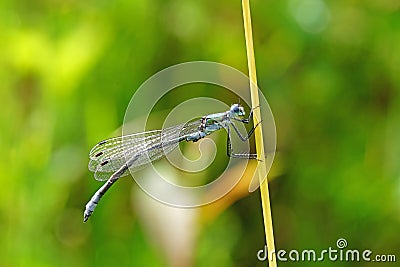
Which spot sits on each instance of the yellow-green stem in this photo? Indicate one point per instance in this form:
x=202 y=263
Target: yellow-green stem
x=262 y=171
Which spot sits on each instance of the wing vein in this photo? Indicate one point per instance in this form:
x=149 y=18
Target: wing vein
x=109 y=155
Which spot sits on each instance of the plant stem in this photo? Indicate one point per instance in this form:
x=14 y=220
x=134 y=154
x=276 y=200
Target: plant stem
x=262 y=171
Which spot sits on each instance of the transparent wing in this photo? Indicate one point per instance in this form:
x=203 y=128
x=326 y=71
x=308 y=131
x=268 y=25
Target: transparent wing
x=104 y=176
x=136 y=150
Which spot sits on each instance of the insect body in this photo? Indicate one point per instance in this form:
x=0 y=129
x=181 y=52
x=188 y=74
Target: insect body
x=112 y=158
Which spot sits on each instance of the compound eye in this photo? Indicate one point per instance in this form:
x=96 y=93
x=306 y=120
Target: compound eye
x=235 y=109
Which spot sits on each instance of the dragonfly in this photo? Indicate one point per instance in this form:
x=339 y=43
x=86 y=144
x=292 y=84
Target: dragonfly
x=116 y=157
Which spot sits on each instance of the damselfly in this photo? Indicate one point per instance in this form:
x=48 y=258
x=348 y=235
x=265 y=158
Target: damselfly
x=112 y=158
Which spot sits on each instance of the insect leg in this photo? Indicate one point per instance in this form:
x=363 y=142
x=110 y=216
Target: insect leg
x=233 y=155
x=244 y=138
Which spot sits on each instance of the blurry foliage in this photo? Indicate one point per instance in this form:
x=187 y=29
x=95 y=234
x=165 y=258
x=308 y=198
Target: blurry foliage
x=330 y=71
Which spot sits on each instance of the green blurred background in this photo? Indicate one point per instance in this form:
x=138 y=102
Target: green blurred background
x=330 y=71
